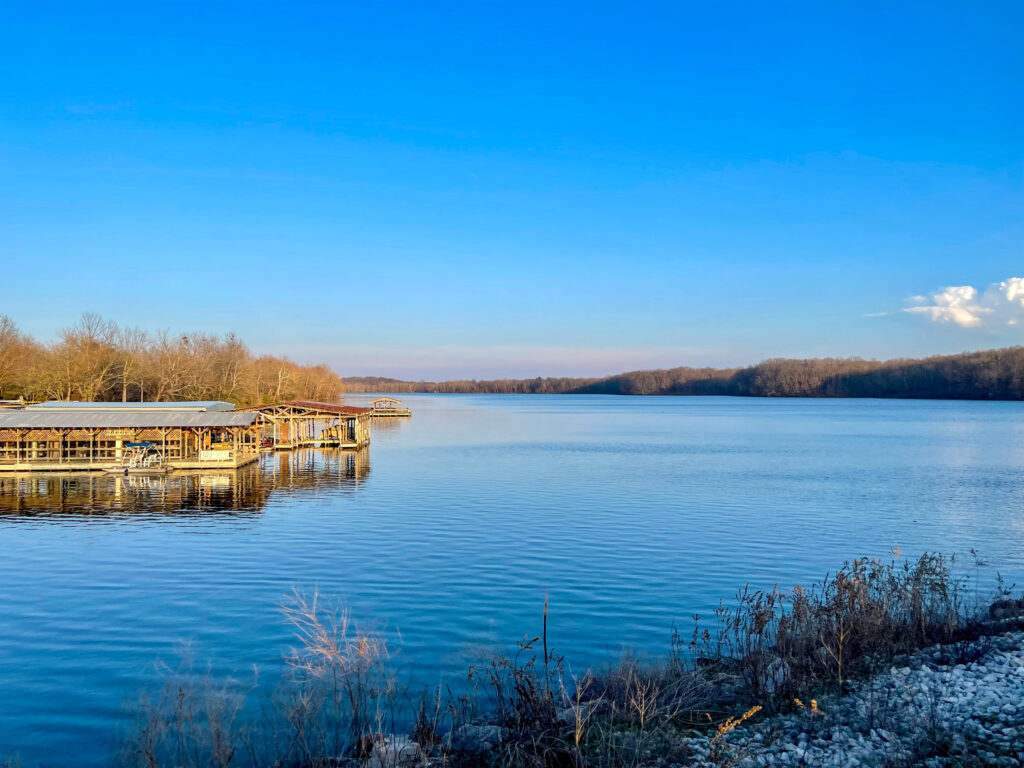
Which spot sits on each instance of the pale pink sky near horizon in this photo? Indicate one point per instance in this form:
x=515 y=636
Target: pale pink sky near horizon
x=522 y=362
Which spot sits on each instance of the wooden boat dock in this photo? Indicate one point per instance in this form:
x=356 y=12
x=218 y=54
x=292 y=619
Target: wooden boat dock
x=302 y=423
x=157 y=437
x=69 y=436
x=385 y=407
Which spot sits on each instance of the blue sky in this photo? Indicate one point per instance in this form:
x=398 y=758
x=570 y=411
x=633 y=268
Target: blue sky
x=518 y=189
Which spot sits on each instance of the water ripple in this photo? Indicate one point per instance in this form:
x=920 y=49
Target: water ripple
x=630 y=513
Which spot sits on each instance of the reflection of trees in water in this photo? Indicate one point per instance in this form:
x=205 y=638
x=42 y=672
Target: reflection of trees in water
x=244 y=491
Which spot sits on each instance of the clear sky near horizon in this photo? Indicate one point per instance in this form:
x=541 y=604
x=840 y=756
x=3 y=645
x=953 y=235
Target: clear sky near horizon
x=443 y=190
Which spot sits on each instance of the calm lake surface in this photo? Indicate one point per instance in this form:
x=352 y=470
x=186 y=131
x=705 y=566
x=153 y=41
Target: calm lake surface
x=632 y=512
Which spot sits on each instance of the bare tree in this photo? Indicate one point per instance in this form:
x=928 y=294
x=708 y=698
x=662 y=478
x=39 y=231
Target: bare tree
x=132 y=344
x=16 y=351
x=87 y=358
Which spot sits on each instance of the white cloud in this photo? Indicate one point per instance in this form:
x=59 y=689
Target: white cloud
x=999 y=305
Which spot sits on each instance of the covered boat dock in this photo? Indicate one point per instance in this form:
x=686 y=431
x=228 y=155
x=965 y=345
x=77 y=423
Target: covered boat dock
x=102 y=436
x=298 y=423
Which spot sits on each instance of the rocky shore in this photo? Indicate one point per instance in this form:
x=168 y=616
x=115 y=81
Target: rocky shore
x=925 y=710
x=908 y=671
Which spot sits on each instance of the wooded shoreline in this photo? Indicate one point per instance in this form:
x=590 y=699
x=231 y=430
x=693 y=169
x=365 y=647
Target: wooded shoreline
x=996 y=374
x=97 y=360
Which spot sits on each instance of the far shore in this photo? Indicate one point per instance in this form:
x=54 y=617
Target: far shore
x=669 y=395
x=996 y=374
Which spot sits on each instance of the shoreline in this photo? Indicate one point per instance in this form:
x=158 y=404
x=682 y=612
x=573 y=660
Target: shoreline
x=667 y=395
x=924 y=710
x=840 y=674
x=990 y=374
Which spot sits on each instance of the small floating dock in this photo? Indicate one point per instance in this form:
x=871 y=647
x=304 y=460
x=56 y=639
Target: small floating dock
x=385 y=407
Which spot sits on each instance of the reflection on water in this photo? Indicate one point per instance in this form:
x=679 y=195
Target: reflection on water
x=630 y=513
x=388 y=424
x=240 y=491
x=304 y=469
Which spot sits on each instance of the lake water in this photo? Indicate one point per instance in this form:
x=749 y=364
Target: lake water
x=632 y=512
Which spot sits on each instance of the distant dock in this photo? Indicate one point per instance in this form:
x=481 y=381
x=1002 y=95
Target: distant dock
x=388 y=407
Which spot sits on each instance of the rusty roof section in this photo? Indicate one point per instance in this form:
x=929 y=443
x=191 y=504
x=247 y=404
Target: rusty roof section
x=311 y=405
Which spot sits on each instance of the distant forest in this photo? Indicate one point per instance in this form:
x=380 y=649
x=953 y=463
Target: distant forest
x=98 y=360
x=996 y=374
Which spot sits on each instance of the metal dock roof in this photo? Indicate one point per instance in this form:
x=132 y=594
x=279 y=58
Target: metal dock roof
x=166 y=405
x=115 y=418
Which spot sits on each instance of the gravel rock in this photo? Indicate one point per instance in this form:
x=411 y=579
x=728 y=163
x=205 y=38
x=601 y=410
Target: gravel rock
x=395 y=752
x=477 y=739
x=966 y=715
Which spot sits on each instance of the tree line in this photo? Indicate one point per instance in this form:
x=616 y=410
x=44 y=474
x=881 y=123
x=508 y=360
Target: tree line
x=538 y=386
x=98 y=360
x=995 y=374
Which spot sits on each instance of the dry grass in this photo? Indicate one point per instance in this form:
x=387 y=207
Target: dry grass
x=338 y=702
x=786 y=645
x=336 y=698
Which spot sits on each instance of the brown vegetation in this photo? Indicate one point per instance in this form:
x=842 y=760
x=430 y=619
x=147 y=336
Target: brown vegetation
x=97 y=360
x=996 y=374
x=786 y=645
x=339 y=704
x=538 y=386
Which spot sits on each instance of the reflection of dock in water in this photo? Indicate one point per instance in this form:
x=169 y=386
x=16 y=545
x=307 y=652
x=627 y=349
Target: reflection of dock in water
x=304 y=468
x=243 y=491
x=182 y=492
x=388 y=425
